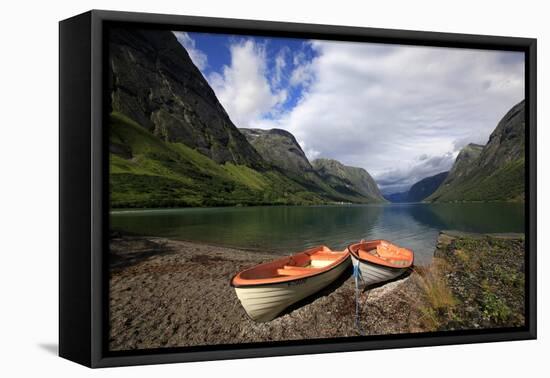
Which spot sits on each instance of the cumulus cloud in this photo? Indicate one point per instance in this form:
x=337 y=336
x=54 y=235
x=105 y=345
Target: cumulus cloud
x=302 y=75
x=243 y=87
x=380 y=107
x=198 y=57
x=400 y=178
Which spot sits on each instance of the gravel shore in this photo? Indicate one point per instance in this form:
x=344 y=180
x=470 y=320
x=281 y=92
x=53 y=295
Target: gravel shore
x=167 y=293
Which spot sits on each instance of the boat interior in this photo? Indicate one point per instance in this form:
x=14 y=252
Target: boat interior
x=305 y=263
x=387 y=252
x=302 y=264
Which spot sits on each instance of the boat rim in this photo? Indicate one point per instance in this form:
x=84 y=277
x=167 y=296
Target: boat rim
x=284 y=280
x=382 y=263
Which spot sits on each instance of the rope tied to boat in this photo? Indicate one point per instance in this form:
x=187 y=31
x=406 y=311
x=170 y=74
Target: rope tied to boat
x=357 y=275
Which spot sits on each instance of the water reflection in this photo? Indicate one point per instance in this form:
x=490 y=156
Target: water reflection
x=291 y=229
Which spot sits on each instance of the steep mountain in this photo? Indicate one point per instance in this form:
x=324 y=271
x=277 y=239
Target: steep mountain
x=495 y=172
x=464 y=164
x=347 y=180
x=425 y=187
x=280 y=148
x=154 y=82
x=172 y=143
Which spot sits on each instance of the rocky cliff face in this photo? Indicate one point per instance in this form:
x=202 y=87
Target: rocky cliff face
x=280 y=148
x=465 y=163
x=507 y=143
x=494 y=172
x=345 y=179
x=154 y=82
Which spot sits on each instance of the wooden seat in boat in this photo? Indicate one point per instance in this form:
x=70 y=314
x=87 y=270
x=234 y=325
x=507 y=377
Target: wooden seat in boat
x=398 y=262
x=324 y=256
x=289 y=270
x=363 y=254
x=382 y=253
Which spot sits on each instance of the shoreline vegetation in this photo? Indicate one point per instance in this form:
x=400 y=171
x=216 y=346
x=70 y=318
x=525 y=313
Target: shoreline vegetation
x=170 y=293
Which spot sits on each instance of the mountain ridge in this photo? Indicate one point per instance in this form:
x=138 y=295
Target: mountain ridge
x=281 y=149
x=494 y=172
x=345 y=178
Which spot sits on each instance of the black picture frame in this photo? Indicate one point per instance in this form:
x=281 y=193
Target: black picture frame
x=83 y=205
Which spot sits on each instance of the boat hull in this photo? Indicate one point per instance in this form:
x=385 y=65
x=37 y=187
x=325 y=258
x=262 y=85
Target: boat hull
x=372 y=274
x=264 y=302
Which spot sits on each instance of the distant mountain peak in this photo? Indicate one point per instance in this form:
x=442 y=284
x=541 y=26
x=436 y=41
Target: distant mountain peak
x=278 y=147
x=337 y=181
x=420 y=190
x=325 y=162
x=346 y=178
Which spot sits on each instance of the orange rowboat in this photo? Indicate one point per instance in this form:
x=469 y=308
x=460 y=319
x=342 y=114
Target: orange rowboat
x=379 y=260
x=267 y=289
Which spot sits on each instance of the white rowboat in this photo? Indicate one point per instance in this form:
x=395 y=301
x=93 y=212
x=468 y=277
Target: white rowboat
x=380 y=261
x=268 y=289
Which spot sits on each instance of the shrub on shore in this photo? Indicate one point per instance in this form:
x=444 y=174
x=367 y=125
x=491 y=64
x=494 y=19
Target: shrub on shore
x=473 y=282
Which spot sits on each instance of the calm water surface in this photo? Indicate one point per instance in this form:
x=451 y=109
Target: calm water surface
x=295 y=228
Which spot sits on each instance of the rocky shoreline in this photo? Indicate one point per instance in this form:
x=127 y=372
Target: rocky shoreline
x=168 y=293
x=486 y=276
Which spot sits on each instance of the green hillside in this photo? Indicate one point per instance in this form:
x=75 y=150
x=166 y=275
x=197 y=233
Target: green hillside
x=146 y=171
x=507 y=183
x=348 y=182
x=494 y=172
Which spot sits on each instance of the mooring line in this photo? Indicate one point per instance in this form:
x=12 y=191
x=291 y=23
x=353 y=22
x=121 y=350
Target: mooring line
x=357 y=276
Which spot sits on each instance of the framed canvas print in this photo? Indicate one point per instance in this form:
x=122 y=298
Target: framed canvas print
x=233 y=188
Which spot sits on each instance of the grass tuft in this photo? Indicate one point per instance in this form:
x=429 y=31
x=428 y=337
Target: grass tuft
x=438 y=299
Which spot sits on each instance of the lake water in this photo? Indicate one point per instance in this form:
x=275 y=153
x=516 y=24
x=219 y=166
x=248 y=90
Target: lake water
x=290 y=229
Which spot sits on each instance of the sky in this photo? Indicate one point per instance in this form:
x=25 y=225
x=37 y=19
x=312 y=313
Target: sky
x=401 y=112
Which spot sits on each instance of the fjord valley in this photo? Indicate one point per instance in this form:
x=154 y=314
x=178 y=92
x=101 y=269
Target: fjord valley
x=172 y=144
x=198 y=195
